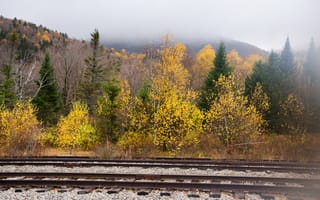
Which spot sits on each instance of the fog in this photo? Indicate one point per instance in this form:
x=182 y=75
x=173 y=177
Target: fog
x=264 y=23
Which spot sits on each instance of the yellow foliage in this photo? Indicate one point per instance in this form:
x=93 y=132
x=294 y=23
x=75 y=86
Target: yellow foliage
x=230 y=118
x=179 y=123
x=45 y=37
x=171 y=66
x=243 y=67
x=19 y=128
x=135 y=142
x=74 y=131
x=169 y=73
x=292 y=110
x=234 y=59
x=49 y=136
x=37 y=45
x=204 y=62
x=260 y=99
x=125 y=107
x=252 y=59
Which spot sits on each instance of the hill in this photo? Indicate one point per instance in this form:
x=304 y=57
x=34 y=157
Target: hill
x=33 y=37
x=242 y=48
x=27 y=38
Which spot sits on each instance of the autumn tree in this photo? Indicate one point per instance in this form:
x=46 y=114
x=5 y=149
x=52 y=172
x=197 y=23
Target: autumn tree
x=292 y=110
x=230 y=116
x=136 y=116
x=179 y=123
x=169 y=92
x=74 y=130
x=221 y=67
x=242 y=66
x=260 y=99
x=168 y=74
x=69 y=66
x=47 y=98
x=134 y=69
x=234 y=59
x=204 y=62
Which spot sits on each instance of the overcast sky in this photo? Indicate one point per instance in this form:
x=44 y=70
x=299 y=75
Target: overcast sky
x=264 y=23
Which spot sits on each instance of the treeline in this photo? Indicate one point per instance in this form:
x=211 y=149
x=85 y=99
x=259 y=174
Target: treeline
x=167 y=98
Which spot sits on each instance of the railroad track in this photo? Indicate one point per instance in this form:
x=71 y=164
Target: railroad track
x=167 y=163
x=292 y=186
x=304 y=187
x=303 y=182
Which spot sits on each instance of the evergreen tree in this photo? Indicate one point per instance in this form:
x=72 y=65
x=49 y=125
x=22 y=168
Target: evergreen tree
x=310 y=66
x=90 y=87
x=107 y=122
x=47 y=98
x=288 y=69
x=7 y=95
x=311 y=80
x=209 y=90
x=286 y=59
x=269 y=76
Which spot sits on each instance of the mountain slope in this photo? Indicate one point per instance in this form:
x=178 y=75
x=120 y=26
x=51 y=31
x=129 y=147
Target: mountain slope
x=242 y=48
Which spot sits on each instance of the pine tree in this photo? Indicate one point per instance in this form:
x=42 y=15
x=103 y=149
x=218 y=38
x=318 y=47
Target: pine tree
x=90 y=87
x=221 y=67
x=7 y=95
x=47 y=98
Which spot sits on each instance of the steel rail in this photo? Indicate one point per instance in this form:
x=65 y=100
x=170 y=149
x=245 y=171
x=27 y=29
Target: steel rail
x=193 y=178
x=238 y=167
x=310 y=191
x=169 y=161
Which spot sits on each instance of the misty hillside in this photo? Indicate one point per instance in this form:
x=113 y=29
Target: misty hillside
x=242 y=48
x=38 y=37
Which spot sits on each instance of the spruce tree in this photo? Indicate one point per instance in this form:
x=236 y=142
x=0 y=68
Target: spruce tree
x=288 y=70
x=269 y=76
x=286 y=59
x=47 y=98
x=7 y=94
x=209 y=90
x=90 y=88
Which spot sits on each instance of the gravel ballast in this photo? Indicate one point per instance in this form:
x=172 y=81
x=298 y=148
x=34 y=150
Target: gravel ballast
x=78 y=193
x=153 y=170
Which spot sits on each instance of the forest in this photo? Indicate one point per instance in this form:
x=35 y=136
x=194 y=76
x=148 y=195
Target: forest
x=65 y=96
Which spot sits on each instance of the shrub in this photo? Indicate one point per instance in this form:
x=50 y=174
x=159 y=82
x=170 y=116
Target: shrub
x=136 y=144
x=74 y=130
x=19 y=129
